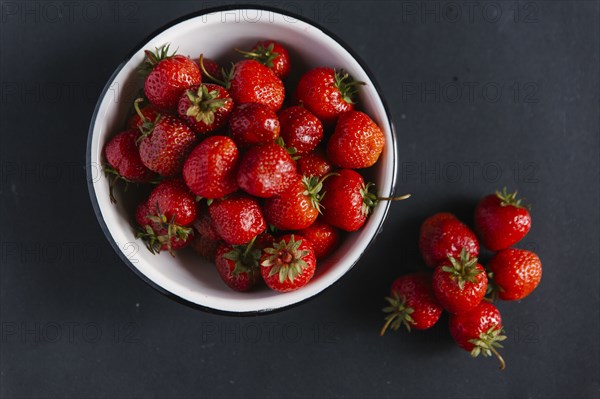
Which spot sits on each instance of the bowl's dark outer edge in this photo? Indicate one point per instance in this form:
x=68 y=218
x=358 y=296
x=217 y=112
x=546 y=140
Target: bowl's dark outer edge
x=90 y=178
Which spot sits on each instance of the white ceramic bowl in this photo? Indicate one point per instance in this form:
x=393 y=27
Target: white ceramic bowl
x=215 y=32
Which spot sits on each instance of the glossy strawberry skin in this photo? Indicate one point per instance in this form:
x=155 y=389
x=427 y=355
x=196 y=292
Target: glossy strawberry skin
x=142 y=217
x=237 y=219
x=299 y=281
x=300 y=129
x=470 y=325
x=313 y=164
x=204 y=223
x=443 y=235
x=343 y=201
x=266 y=170
x=142 y=213
x=252 y=124
x=516 y=272
x=173 y=199
x=317 y=92
x=292 y=209
x=221 y=114
x=452 y=298
x=210 y=169
x=323 y=237
x=165 y=149
x=225 y=267
x=253 y=82
x=500 y=227
x=169 y=79
x=416 y=289
x=150 y=113
x=281 y=63
x=356 y=143
x=123 y=156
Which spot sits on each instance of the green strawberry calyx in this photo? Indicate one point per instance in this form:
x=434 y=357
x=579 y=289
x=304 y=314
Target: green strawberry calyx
x=398 y=314
x=147 y=126
x=227 y=74
x=262 y=54
x=510 y=199
x=151 y=58
x=154 y=242
x=246 y=258
x=488 y=342
x=204 y=104
x=464 y=269
x=346 y=85
x=493 y=288
x=313 y=186
x=114 y=176
x=370 y=200
x=285 y=259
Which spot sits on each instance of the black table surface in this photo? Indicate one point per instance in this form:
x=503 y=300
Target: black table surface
x=483 y=95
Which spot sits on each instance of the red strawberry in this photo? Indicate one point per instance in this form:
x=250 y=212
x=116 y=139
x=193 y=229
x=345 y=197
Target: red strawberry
x=204 y=223
x=288 y=264
x=238 y=265
x=149 y=112
x=210 y=170
x=356 y=143
x=460 y=284
x=323 y=237
x=164 y=143
x=516 y=273
x=170 y=76
x=313 y=164
x=124 y=162
x=479 y=331
x=347 y=201
x=212 y=67
x=501 y=220
x=297 y=207
x=300 y=129
x=272 y=55
x=205 y=247
x=266 y=170
x=253 y=123
x=326 y=93
x=237 y=219
x=249 y=81
x=443 y=235
x=412 y=303
x=205 y=108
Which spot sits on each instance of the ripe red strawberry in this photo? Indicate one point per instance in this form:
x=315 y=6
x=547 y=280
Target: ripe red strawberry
x=288 y=264
x=501 y=220
x=300 y=129
x=326 y=93
x=412 y=303
x=356 y=143
x=238 y=265
x=272 y=55
x=173 y=200
x=253 y=123
x=204 y=223
x=165 y=143
x=266 y=170
x=170 y=76
x=479 y=331
x=443 y=235
x=124 y=162
x=210 y=170
x=516 y=273
x=149 y=112
x=297 y=207
x=212 y=67
x=313 y=164
x=205 y=108
x=205 y=247
x=323 y=237
x=249 y=81
x=237 y=219
x=460 y=284
x=347 y=201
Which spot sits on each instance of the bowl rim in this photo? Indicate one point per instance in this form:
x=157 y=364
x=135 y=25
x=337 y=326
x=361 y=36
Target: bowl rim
x=91 y=179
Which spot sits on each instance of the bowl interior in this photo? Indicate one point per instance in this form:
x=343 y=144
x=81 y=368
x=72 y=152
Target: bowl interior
x=215 y=35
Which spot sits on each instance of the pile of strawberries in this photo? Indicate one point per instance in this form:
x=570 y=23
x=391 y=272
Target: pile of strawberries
x=459 y=284
x=261 y=189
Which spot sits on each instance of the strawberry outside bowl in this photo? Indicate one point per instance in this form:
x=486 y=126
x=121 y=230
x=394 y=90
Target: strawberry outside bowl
x=215 y=32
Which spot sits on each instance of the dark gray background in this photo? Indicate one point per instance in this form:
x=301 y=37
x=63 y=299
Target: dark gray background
x=76 y=322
